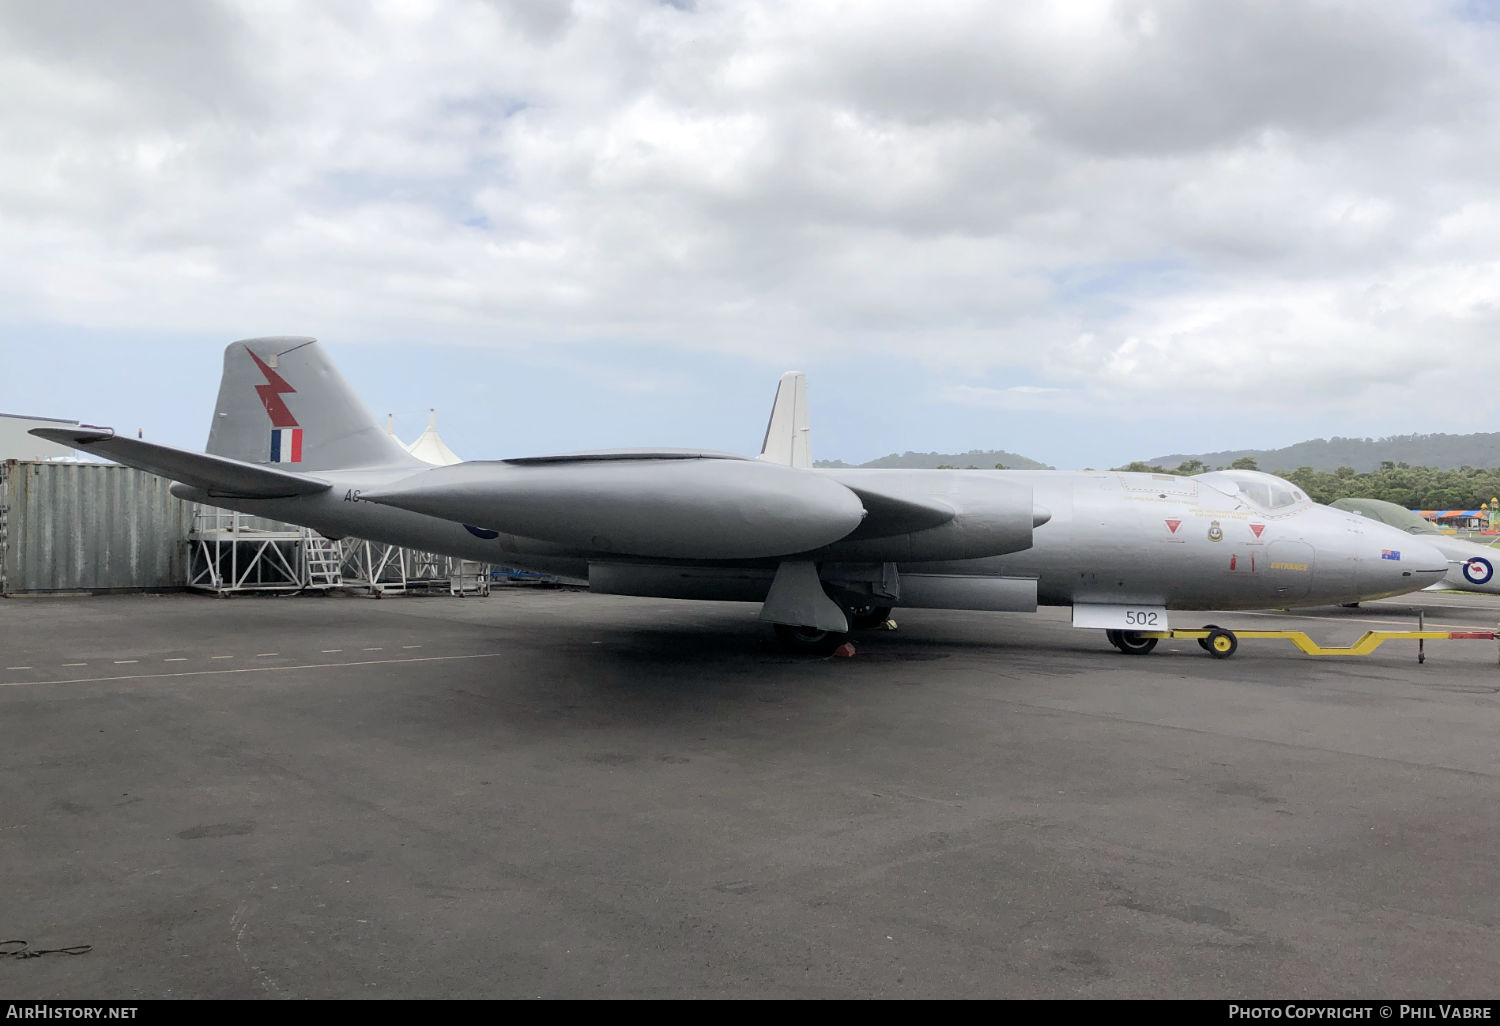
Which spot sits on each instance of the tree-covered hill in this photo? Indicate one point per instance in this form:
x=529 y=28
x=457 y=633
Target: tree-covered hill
x=979 y=459
x=1412 y=487
x=1362 y=454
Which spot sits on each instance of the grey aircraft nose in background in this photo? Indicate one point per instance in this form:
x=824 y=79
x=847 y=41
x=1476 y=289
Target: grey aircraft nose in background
x=821 y=550
x=1471 y=566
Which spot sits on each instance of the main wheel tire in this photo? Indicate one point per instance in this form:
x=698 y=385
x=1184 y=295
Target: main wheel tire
x=808 y=640
x=864 y=618
x=1221 y=643
x=1131 y=643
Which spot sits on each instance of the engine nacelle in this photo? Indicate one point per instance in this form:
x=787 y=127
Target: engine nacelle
x=654 y=505
x=981 y=516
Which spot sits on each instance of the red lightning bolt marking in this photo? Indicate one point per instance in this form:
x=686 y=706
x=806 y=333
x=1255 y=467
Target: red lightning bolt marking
x=270 y=395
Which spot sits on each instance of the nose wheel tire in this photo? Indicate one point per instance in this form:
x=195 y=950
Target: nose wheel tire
x=1130 y=642
x=1220 y=643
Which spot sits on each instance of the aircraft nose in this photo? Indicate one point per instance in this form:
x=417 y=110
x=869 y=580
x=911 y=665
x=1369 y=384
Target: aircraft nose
x=1428 y=561
x=1399 y=562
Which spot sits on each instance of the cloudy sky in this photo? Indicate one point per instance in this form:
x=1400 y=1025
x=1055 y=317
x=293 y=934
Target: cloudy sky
x=1088 y=232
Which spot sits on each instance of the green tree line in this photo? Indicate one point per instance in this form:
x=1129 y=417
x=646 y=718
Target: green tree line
x=1412 y=487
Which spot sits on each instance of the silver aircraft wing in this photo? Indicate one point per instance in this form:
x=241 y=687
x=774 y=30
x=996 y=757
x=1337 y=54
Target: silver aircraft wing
x=217 y=475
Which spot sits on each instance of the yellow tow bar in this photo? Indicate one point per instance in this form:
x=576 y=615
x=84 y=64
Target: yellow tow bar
x=1221 y=643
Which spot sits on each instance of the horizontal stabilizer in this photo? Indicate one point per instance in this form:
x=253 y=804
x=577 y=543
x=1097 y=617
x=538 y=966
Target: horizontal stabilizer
x=216 y=475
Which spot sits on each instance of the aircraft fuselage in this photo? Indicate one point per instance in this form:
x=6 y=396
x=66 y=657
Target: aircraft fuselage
x=1112 y=538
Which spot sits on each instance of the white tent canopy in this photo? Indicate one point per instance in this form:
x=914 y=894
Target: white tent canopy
x=429 y=446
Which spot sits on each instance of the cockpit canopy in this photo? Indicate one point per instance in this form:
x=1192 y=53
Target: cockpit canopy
x=1265 y=492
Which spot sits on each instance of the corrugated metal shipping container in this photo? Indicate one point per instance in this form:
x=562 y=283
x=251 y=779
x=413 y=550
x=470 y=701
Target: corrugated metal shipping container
x=87 y=527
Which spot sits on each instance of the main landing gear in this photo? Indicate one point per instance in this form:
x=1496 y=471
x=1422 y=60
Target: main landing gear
x=808 y=640
x=867 y=617
x=811 y=641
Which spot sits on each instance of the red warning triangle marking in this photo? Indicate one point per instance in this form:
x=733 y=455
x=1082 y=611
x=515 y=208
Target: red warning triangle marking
x=1173 y=525
x=1257 y=528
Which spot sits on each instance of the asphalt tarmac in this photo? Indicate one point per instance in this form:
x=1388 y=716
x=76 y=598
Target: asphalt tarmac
x=549 y=794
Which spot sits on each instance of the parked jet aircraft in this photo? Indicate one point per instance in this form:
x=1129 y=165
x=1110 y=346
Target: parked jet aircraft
x=821 y=550
x=1471 y=566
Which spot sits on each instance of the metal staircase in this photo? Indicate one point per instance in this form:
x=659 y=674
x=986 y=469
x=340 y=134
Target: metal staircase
x=323 y=561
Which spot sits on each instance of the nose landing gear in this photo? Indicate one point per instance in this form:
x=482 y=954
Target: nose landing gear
x=1130 y=642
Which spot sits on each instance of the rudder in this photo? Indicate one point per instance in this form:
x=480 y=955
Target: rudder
x=282 y=402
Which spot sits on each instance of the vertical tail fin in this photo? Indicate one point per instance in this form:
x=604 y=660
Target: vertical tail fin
x=788 y=437
x=282 y=401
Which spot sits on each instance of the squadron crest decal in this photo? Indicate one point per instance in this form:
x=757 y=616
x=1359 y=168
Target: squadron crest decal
x=1215 y=532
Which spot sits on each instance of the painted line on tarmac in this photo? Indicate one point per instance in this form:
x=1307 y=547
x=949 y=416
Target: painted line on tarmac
x=260 y=669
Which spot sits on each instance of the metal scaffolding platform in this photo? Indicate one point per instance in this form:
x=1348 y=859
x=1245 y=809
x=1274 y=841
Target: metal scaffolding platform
x=372 y=567
x=387 y=570
x=232 y=552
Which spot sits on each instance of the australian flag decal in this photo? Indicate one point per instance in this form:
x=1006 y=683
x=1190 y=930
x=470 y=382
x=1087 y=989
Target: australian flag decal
x=1390 y=554
x=286 y=445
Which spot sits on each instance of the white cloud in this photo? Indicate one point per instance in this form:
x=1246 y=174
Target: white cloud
x=1234 y=206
